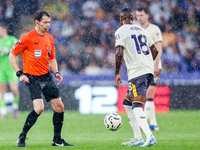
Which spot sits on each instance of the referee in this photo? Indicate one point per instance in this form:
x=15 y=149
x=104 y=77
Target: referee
x=38 y=51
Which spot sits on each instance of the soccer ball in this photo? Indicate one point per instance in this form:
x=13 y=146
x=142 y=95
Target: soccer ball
x=113 y=121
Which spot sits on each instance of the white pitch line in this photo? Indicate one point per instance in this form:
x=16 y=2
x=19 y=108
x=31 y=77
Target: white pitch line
x=102 y=138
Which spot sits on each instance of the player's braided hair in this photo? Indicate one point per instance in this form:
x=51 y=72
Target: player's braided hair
x=126 y=10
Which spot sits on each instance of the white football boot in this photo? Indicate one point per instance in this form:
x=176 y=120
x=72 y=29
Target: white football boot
x=134 y=142
x=150 y=141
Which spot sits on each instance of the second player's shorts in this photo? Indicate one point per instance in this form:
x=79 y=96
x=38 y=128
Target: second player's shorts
x=7 y=73
x=43 y=84
x=139 y=85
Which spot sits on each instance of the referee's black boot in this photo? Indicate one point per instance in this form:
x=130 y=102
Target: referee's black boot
x=60 y=142
x=21 y=141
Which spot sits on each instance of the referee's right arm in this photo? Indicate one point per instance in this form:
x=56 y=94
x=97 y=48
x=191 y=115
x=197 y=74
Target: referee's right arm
x=13 y=62
x=19 y=46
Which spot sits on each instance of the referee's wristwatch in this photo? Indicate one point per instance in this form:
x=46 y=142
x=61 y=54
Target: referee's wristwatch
x=56 y=73
x=19 y=73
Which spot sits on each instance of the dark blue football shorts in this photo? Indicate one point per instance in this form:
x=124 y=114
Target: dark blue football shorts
x=139 y=85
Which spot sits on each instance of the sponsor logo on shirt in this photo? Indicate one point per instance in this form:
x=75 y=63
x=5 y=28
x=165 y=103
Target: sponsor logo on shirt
x=38 y=53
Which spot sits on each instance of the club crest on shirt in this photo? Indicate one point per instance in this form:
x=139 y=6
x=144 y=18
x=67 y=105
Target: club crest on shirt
x=38 y=53
x=49 y=53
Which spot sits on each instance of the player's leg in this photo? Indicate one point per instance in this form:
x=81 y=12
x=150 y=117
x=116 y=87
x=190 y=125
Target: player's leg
x=58 y=118
x=150 y=108
x=30 y=121
x=137 y=91
x=13 y=80
x=133 y=122
x=3 y=85
x=15 y=90
x=33 y=115
x=141 y=119
x=137 y=140
x=3 y=89
x=137 y=108
x=52 y=95
x=35 y=93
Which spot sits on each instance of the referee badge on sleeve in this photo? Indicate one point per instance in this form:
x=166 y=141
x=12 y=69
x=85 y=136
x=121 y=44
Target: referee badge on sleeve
x=49 y=53
x=38 y=53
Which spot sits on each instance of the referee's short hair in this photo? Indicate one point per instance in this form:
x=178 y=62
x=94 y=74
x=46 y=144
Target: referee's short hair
x=38 y=16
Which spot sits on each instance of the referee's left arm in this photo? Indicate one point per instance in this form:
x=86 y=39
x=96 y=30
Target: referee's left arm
x=54 y=68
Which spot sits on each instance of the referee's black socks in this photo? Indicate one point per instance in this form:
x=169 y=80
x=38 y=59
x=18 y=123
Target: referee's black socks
x=30 y=121
x=57 y=122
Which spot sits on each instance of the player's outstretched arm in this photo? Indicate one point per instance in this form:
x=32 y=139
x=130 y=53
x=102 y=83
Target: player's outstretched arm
x=54 y=68
x=154 y=51
x=119 y=58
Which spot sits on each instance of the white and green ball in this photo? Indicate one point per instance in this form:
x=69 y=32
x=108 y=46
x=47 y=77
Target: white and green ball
x=113 y=121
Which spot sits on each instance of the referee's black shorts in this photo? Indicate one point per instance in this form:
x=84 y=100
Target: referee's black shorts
x=43 y=84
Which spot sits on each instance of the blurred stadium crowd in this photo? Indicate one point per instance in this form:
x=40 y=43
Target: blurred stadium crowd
x=84 y=31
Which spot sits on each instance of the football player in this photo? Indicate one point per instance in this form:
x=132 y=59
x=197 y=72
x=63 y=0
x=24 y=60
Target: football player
x=156 y=35
x=7 y=73
x=134 y=44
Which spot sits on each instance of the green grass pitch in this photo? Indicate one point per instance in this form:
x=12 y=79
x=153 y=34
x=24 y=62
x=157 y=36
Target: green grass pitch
x=179 y=130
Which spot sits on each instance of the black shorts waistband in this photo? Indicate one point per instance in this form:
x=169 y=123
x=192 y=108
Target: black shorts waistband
x=40 y=78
